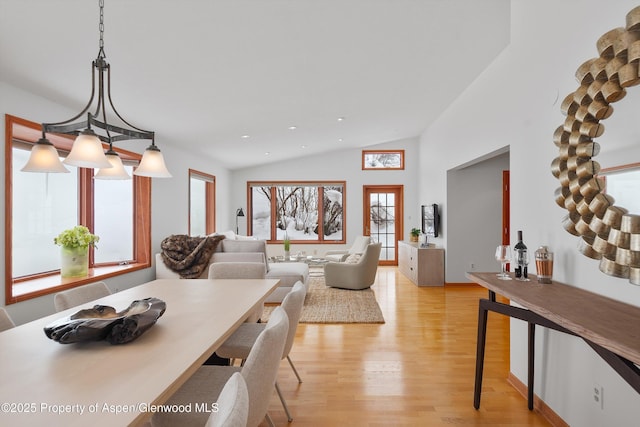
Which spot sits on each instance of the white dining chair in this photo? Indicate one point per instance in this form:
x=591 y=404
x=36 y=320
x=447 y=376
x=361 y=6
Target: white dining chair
x=259 y=372
x=80 y=295
x=240 y=343
x=5 y=320
x=232 y=405
x=240 y=270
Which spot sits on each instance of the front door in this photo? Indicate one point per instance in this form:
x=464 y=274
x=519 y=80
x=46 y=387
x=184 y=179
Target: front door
x=383 y=212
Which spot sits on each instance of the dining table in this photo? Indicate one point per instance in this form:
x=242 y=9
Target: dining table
x=46 y=383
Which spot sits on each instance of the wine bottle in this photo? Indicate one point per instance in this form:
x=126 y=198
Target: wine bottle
x=522 y=258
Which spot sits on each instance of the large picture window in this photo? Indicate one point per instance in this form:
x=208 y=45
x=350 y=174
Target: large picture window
x=311 y=212
x=202 y=194
x=38 y=206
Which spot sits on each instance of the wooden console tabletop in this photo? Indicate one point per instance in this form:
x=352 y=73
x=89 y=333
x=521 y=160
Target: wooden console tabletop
x=606 y=325
x=604 y=321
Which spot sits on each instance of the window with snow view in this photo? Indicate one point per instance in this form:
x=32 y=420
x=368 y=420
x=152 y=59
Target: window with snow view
x=309 y=211
x=382 y=159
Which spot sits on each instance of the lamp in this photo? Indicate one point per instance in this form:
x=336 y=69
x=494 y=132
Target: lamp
x=239 y=213
x=116 y=171
x=87 y=150
x=44 y=158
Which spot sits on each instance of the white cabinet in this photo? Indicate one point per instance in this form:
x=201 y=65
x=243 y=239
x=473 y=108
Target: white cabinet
x=423 y=266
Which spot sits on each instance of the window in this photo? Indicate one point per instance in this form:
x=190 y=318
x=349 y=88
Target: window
x=382 y=159
x=36 y=217
x=38 y=206
x=311 y=212
x=113 y=218
x=622 y=183
x=202 y=195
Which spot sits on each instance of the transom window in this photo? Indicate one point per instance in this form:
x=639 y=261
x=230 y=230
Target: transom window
x=311 y=212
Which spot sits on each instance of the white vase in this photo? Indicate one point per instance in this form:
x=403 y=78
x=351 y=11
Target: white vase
x=287 y=255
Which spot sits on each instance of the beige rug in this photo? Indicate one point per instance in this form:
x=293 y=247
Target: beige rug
x=330 y=305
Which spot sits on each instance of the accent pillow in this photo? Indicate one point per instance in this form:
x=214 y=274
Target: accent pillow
x=246 y=246
x=229 y=235
x=353 y=259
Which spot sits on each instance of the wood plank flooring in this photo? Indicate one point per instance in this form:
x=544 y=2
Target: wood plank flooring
x=417 y=369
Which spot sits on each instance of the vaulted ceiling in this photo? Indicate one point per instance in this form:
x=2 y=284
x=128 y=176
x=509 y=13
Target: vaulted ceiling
x=230 y=79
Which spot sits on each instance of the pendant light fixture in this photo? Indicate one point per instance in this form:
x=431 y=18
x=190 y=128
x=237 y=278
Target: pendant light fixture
x=87 y=150
x=116 y=171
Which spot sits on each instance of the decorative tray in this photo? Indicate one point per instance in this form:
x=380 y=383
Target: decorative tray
x=102 y=322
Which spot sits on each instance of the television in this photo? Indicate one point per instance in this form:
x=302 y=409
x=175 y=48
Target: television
x=430 y=219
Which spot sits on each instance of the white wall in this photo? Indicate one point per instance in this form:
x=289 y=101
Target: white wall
x=516 y=103
x=169 y=196
x=474 y=215
x=339 y=166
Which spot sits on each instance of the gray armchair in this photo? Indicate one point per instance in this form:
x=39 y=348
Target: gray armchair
x=360 y=275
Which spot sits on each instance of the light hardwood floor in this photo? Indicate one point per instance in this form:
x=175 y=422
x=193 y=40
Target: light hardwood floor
x=417 y=369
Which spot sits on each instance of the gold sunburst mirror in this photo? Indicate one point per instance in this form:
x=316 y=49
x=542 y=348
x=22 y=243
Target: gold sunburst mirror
x=607 y=232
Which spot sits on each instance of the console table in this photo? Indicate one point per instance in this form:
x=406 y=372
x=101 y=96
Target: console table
x=606 y=325
x=423 y=266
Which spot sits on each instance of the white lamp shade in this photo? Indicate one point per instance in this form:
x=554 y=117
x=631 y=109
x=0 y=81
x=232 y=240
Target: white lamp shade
x=87 y=152
x=152 y=164
x=117 y=171
x=44 y=158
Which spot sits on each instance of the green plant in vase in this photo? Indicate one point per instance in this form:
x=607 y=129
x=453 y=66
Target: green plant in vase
x=415 y=234
x=287 y=246
x=74 y=250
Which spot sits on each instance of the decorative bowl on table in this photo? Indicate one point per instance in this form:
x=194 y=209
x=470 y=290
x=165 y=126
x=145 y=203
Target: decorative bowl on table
x=102 y=322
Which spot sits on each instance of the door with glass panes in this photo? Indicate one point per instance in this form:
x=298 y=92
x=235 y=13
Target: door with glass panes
x=383 y=207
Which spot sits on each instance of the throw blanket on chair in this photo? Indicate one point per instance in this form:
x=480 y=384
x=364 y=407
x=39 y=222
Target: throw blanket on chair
x=188 y=256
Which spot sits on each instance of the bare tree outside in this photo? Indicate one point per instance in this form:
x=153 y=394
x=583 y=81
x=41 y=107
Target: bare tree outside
x=297 y=209
x=383 y=160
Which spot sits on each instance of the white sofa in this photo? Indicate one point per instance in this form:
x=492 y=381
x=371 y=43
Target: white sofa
x=231 y=250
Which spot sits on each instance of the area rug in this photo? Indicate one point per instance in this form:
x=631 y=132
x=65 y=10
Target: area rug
x=330 y=305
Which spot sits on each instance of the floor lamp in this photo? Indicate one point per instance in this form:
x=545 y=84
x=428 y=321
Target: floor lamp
x=239 y=213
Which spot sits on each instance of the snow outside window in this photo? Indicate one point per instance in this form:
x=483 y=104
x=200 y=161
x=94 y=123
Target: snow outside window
x=301 y=212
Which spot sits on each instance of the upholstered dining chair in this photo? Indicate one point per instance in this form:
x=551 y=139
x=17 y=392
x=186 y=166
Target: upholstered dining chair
x=5 y=320
x=237 y=270
x=240 y=343
x=240 y=270
x=233 y=404
x=259 y=372
x=80 y=295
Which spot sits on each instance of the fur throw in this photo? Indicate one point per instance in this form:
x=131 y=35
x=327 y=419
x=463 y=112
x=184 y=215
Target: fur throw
x=188 y=256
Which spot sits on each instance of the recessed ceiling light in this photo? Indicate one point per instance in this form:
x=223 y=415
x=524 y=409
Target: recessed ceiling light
x=293 y=127
x=303 y=146
x=341 y=119
x=266 y=153
x=340 y=139
x=245 y=137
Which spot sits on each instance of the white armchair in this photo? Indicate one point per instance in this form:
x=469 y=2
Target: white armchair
x=357 y=247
